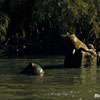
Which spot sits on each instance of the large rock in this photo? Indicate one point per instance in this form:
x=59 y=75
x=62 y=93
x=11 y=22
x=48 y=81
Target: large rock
x=78 y=54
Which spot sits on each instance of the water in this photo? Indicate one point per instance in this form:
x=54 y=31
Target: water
x=56 y=84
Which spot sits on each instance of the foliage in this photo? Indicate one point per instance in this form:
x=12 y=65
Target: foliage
x=4 y=21
x=46 y=20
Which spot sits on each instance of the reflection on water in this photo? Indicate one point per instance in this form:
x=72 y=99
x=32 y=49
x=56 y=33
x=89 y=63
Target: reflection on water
x=56 y=84
x=89 y=75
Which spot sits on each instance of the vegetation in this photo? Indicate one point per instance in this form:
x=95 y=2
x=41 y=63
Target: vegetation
x=40 y=23
x=4 y=21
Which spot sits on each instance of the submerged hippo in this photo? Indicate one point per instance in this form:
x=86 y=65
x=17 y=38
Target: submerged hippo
x=33 y=69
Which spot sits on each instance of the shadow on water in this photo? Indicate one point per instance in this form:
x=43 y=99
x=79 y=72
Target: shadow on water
x=53 y=66
x=89 y=75
x=59 y=66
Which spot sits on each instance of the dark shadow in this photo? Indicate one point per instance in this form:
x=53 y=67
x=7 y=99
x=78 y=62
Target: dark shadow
x=77 y=58
x=53 y=66
x=58 y=67
x=73 y=60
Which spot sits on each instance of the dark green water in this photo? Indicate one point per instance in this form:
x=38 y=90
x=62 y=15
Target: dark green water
x=56 y=84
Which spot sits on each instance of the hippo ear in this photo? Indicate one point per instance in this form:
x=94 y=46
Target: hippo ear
x=29 y=65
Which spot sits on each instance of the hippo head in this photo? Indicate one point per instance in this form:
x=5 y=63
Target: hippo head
x=33 y=69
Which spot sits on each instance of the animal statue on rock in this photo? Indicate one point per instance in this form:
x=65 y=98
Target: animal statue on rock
x=78 y=54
